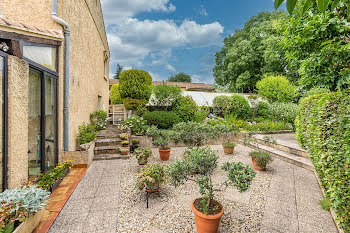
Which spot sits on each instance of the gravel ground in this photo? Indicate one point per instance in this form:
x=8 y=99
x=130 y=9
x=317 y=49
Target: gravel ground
x=171 y=210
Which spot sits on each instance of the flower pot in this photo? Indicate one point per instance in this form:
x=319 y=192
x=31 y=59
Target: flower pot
x=125 y=145
x=228 y=150
x=124 y=152
x=164 y=154
x=256 y=165
x=142 y=163
x=152 y=187
x=206 y=223
x=9 y=228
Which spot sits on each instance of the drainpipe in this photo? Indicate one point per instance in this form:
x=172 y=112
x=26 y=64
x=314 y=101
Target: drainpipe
x=66 y=70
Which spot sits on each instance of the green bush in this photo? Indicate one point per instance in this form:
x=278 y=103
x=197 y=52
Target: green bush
x=136 y=124
x=165 y=96
x=323 y=128
x=135 y=84
x=276 y=88
x=286 y=112
x=262 y=110
x=86 y=133
x=98 y=119
x=133 y=104
x=162 y=119
x=222 y=105
x=316 y=91
x=115 y=95
x=240 y=107
x=186 y=108
x=268 y=126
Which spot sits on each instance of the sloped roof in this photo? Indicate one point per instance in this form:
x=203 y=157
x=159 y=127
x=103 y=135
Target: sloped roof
x=29 y=28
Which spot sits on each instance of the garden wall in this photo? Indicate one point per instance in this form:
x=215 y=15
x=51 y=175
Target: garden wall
x=79 y=158
x=323 y=128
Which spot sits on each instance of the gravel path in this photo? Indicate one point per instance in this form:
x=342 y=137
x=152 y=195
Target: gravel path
x=106 y=201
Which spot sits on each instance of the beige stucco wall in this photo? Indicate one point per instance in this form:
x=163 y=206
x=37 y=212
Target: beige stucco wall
x=18 y=77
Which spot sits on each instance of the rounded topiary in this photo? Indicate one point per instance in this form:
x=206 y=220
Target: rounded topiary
x=135 y=84
x=222 y=105
x=240 y=107
x=115 y=95
x=276 y=88
x=162 y=119
x=186 y=108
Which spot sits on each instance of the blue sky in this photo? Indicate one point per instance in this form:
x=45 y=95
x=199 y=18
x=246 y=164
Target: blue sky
x=165 y=37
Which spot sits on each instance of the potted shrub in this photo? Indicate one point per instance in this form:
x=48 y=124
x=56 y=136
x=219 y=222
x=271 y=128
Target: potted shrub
x=125 y=143
x=163 y=148
x=150 y=177
x=228 y=147
x=124 y=151
x=260 y=160
x=142 y=155
x=203 y=162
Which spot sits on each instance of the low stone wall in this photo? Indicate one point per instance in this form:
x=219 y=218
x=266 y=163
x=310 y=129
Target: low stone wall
x=83 y=157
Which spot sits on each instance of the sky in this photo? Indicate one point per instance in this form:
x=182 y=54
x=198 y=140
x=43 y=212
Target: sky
x=165 y=37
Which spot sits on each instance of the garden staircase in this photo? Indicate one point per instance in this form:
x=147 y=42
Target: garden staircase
x=117 y=114
x=107 y=144
x=285 y=150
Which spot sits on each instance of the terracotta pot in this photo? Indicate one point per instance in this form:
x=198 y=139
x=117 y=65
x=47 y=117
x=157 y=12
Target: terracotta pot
x=144 y=163
x=124 y=152
x=164 y=154
x=206 y=223
x=154 y=187
x=256 y=165
x=125 y=145
x=228 y=150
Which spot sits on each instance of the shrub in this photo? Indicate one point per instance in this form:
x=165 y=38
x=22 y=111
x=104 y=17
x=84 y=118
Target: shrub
x=98 y=119
x=149 y=175
x=200 y=116
x=165 y=96
x=133 y=104
x=186 y=108
x=262 y=110
x=162 y=143
x=10 y=214
x=115 y=95
x=276 y=88
x=323 y=128
x=286 y=112
x=316 y=91
x=268 y=126
x=86 y=133
x=136 y=124
x=135 y=84
x=162 y=119
x=222 y=105
x=240 y=106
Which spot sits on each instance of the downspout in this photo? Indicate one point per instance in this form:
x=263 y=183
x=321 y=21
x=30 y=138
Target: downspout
x=66 y=71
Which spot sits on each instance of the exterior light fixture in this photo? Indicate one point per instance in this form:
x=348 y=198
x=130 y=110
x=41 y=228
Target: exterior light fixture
x=4 y=47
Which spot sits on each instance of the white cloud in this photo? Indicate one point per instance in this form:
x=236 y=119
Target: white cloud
x=156 y=77
x=203 y=11
x=170 y=67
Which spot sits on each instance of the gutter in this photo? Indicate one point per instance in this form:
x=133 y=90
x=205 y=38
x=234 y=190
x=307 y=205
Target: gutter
x=66 y=71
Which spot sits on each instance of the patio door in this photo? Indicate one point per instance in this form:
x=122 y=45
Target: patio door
x=42 y=122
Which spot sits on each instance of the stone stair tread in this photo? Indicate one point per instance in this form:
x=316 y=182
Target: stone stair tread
x=111 y=156
x=108 y=140
x=107 y=147
x=282 y=142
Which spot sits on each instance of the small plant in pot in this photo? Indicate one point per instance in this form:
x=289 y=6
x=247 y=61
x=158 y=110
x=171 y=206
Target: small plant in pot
x=124 y=151
x=228 y=147
x=203 y=162
x=260 y=160
x=142 y=155
x=125 y=143
x=135 y=144
x=124 y=136
x=163 y=147
x=150 y=177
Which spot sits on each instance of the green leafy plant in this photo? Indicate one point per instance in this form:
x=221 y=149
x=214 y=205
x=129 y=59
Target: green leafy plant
x=276 y=88
x=124 y=136
x=262 y=110
x=202 y=162
x=86 y=133
x=222 y=105
x=269 y=140
x=286 y=112
x=98 y=119
x=240 y=107
x=165 y=96
x=186 y=108
x=162 y=143
x=162 y=119
x=136 y=124
x=262 y=158
x=135 y=84
x=230 y=145
x=126 y=142
x=150 y=175
x=10 y=213
x=268 y=126
x=200 y=116
x=135 y=141
x=134 y=104
x=142 y=154
x=46 y=180
x=115 y=95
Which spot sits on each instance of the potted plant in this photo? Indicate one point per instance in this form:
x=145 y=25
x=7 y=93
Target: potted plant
x=125 y=143
x=124 y=136
x=150 y=177
x=163 y=147
x=260 y=160
x=203 y=162
x=228 y=147
x=124 y=151
x=135 y=144
x=142 y=155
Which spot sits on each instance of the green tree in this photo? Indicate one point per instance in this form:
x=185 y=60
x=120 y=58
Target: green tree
x=135 y=84
x=115 y=95
x=165 y=96
x=118 y=71
x=180 y=77
x=252 y=52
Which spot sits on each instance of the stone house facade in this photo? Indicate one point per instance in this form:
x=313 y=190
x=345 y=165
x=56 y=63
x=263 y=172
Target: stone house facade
x=40 y=111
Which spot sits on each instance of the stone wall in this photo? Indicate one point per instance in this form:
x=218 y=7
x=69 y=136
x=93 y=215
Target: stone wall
x=18 y=76
x=79 y=157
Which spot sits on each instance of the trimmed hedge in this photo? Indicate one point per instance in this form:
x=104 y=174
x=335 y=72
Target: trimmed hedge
x=276 y=88
x=135 y=84
x=162 y=119
x=323 y=128
x=186 y=108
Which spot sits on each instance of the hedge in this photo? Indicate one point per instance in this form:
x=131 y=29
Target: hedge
x=323 y=128
x=162 y=119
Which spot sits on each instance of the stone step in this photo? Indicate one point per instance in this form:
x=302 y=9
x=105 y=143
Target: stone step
x=285 y=156
x=111 y=156
x=106 y=150
x=108 y=142
x=282 y=145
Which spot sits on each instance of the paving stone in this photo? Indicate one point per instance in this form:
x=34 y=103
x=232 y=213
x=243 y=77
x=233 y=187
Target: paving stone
x=107 y=190
x=106 y=203
x=232 y=194
x=307 y=228
x=101 y=221
x=279 y=222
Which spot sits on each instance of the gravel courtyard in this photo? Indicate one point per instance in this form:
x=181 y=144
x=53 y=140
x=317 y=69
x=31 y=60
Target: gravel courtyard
x=282 y=199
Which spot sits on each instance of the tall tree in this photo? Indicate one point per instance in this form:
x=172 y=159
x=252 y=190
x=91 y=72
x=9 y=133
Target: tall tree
x=180 y=77
x=251 y=53
x=118 y=71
